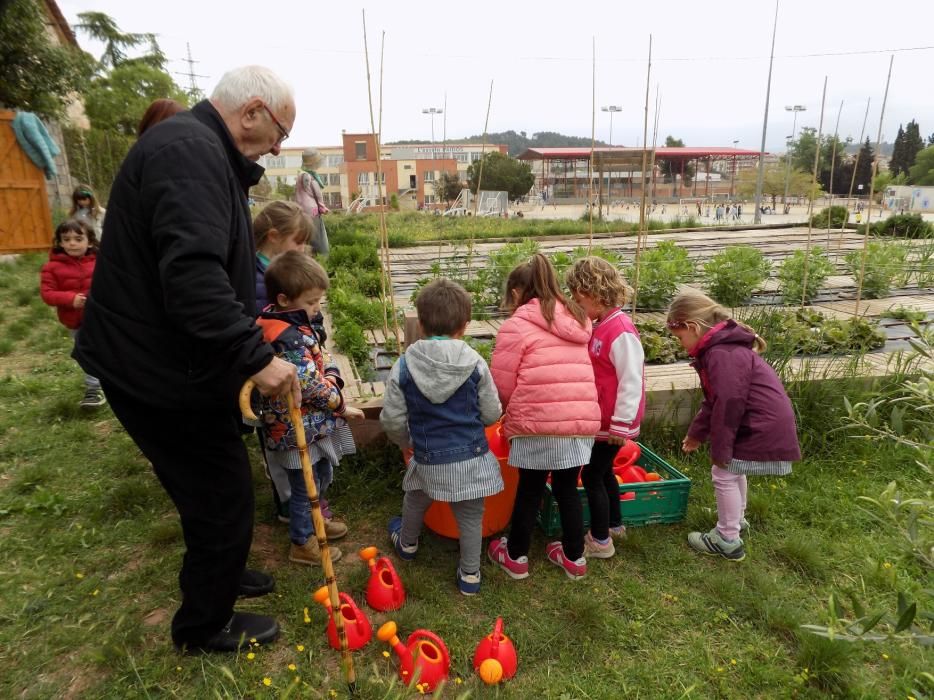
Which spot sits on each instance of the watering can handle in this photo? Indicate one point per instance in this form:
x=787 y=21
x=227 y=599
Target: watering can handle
x=348 y=601
x=384 y=563
x=431 y=637
x=497 y=637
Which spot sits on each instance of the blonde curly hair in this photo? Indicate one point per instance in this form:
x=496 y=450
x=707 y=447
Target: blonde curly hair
x=599 y=280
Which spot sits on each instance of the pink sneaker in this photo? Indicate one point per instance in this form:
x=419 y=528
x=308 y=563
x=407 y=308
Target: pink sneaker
x=499 y=555
x=574 y=569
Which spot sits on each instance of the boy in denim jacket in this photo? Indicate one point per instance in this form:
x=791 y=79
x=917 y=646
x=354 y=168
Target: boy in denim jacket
x=439 y=397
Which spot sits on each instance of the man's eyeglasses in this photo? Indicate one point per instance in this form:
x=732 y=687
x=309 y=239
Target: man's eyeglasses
x=282 y=129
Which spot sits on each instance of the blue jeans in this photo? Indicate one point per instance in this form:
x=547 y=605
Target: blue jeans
x=301 y=526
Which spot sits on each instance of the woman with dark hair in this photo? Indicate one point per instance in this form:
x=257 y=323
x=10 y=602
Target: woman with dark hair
x=158 y=111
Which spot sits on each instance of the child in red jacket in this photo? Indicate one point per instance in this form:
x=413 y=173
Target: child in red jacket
x=619 y=370
x=65 y=282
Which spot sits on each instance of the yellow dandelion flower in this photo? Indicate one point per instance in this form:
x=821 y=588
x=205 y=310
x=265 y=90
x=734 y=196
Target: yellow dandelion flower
x=96 y=591
x=386 y=654
x=732 y=662
x=887 y=565
x=267 y=681
x=719 y=669
x=774 y=487
x=251 y=656
x=912 y=697
x=300 y=647
x=297 y=680
x=885 y=656
x=178 y=668
x=332 y=693
x=79 y=575
x=252 y=640
x=458 y=681
x=291 y=667
x=307 y=618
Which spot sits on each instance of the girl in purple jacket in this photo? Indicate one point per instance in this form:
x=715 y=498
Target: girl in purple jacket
x=746 y=414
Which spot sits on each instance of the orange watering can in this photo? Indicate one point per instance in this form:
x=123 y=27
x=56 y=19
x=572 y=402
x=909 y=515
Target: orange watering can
x=356 y=624
x=423 y=658
x=495 y=658
x=384 y=591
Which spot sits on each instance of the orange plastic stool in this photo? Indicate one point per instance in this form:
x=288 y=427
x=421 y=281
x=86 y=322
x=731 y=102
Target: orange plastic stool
x=497 y=508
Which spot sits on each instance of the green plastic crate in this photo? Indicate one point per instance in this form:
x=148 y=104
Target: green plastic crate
x=655 y=502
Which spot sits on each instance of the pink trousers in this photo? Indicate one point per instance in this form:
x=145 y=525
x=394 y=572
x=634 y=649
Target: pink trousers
x=730 y=489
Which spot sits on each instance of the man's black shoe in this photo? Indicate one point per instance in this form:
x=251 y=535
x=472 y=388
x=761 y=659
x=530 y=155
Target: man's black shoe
x=255 y=583
x=238 y=632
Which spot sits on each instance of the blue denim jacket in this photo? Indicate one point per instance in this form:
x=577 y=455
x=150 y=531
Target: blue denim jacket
x=447 y=432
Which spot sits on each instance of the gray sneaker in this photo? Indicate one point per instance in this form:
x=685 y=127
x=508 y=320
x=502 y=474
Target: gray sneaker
x=711 y=543
x=93 y=398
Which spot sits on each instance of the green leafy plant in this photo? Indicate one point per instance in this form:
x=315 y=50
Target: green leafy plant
x=791 y=275
x=837 y=216
x=905 y=313
x=809 y=332
x=733 y=275
x=885 y=263
x=905 y=226
x=662 y=270
x=659 y=346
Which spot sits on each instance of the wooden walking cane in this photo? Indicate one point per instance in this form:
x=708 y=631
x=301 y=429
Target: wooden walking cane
x=295 y=418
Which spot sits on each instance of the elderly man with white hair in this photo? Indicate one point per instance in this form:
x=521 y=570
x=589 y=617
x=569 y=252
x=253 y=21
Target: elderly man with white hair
x=169 y=330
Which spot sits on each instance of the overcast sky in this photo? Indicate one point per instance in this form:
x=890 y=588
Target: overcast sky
x=710 y=63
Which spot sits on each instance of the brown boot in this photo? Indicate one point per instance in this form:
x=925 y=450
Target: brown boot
x=310 y=554
x=334 y=529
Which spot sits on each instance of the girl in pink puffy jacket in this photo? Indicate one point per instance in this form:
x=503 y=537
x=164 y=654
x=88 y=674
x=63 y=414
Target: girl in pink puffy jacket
x=546 y=384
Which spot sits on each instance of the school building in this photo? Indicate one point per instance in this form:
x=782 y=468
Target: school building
x=409 y=171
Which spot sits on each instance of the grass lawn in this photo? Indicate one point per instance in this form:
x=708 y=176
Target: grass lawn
x=90 y=548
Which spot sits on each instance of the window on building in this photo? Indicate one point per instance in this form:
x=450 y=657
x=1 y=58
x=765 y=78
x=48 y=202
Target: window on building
x=275 y=162
x=430 y=199
x=429 y=176
x=333 y=200
x=462 y=157
x=363 y=178
x=335 y=160
x=334 y=179
x=474 y=157
x=406 y=167
x=360 y=150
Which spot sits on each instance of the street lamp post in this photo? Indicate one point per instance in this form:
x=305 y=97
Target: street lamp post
x=733 y=174
x=432 y=111
x=612 y=109
x=794 y=125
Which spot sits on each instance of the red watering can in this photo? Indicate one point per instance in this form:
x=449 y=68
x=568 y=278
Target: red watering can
x=495 y=658
x=628 y=453
x=356 y=625
x=384 y=592
x=422 y=658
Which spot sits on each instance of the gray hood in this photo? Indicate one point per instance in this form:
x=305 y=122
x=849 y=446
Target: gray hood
x=440 y=367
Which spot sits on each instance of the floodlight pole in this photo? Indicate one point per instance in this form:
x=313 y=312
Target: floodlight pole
x=794 y=125
x=612 y=109
x=765 y=124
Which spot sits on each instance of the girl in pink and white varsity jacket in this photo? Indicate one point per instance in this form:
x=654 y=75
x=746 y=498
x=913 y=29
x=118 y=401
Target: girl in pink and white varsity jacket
x=619 y=371
x=545 y=383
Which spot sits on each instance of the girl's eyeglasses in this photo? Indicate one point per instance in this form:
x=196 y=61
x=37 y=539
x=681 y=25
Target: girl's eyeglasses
x=675 y=325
